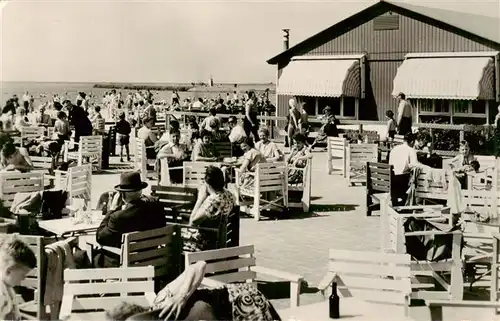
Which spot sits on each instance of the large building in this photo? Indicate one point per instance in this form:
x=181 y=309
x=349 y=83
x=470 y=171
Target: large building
x=446 y=62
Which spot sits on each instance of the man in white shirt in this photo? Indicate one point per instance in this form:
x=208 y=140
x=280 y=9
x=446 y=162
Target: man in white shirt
x=198 y=104
x=403 y=158
x=404 y=115
x=236 y=136
x=149 y=137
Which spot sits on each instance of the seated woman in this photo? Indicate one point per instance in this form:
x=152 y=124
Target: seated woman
x=214 y=202
x=175 y=153
x=297 y=158
x=13 y=158
x=268 y=148
x=328 y=128
x=463 y=163
x=182 y=300
x=21 y=120
x=204 y=150
x=249 y=161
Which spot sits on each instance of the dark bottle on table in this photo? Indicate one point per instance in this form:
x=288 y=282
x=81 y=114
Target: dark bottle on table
x=334 y=303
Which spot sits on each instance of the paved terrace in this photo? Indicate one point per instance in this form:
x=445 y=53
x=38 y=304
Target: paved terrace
x=299 y=244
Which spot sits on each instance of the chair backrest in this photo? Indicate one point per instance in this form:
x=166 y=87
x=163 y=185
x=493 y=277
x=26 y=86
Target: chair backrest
x=79 y=183
x=32 y=132
x=271 y=177
x=336 y=147
x=225 y=149
x=379 y=177
x=431 y=186
x=365 y=275
x=495 y=265
x=194 y=172
x=398 y=140
x=99 y=126
x=91 y=145
x=140 y=158
x=159 y=248
x=41 y=162
x=372 y=136
x=13 y=183
x=357 y=157
x=176 y=200
x=223 y=263
x=91 y=289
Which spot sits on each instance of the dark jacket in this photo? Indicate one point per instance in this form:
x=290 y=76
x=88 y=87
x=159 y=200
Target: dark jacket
x=78 y=117
x=142 y=215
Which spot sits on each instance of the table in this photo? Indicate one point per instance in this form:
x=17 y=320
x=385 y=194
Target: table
x=66 y=226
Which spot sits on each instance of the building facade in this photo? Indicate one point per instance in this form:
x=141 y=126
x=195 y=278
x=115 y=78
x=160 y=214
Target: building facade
x=360 y=64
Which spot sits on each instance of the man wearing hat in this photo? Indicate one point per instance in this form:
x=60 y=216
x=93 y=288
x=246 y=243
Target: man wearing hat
x=132 y=212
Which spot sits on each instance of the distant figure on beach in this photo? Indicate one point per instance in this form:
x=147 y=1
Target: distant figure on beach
x=250 y=122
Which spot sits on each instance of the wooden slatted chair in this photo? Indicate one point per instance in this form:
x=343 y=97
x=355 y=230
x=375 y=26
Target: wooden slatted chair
x=79 y=183
x=268 y=177
x=35 y=280
x=378 y=181
x=98 y=126
x=495 y=265
x=165 y=169
x=225 y=149
x=357 y=157
x=304 y=187
x=457 y=310
x=194 y=172
x=31 y=133
x=89 y=151
x=177 y=200
x=370 y=276
x=12 y=183
x=428 y=190
x=398 y=140
x=101 y=289
x=336 y=147
x=371 y=136
x=423 y=270
x=141 y=162
x=222 y=263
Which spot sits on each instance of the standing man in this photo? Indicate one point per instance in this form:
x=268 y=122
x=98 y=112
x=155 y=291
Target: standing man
x=404 y=115
x=403 y=158
x=250 y=122
x=78 y=118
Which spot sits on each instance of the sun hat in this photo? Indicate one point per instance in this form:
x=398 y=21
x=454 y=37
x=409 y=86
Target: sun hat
x=130 y=182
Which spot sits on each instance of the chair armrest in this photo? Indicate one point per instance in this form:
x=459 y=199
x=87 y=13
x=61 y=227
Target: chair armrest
x=458 y=303
x=428 y=233
x=111 y=249
x=279 y=274
x=418 y=207
x=66 y=306
x=479 y=236
x=212 y=283
x=150 y=298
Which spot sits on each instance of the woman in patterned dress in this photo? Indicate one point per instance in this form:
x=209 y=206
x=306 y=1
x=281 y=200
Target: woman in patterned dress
x=297 y=158
x=182 y=300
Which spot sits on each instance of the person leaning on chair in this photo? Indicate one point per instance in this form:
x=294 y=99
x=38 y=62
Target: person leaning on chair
x=136 y=214
x=403 y=158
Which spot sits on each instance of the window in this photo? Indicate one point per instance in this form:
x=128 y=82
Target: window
x=349 y=107
x=334 y=103
x=309 y=104
x=388 y=21
x=426 y=105
x=478 y=106
x=460 y=106
x=442 y=106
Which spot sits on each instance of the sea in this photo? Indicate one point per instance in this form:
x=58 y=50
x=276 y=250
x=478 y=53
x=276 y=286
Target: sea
x=44 y=91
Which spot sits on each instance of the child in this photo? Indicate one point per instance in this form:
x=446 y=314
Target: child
x=16 y=260
x=123 y=135
x=391 y=125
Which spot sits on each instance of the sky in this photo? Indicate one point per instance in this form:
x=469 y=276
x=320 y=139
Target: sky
x=163 y=41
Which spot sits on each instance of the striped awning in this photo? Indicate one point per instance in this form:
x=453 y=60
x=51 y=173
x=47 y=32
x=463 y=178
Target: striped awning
x=320 y=78
x=467 y=78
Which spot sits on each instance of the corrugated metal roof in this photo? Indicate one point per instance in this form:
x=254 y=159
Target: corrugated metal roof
x=478 y=27
x=467 y=78
x=321 y=78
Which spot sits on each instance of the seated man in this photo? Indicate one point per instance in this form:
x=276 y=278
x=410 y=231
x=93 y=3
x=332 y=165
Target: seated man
x=403 y=157
x=136 y=214
x=149 y=137
x=182 y=300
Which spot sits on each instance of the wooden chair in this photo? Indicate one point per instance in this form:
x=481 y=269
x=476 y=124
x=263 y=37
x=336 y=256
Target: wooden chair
x=304 y=187
x=268 y=177
x=41 y=162
x=371 y=136
x=238 y=265
x=164 y=177
x=357 y=157
x=141 y=162
x=462 y=310
x=177 y=200
x=495 y=265
x=31 y=133
x=98 y=126
x=194 y=172
x=422 y=270
x=78 y=183
x=371 y=276
x=89 y=290
x=336 y=148
x=12 y=183
x=378 y=181
x=225 y=149
x=398 y=140
x=426 y=189
x=35 y=280
x=89 y=151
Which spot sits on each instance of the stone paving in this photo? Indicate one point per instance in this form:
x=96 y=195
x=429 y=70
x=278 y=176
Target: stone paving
x=300 y=244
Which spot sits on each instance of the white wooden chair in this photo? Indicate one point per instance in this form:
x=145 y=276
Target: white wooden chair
x=238 y=265
x=89 y=151
x=358 y=155
x=370 y=276
x=336 y=147
x=141 y=161
x=77 y=181
x=165 y=172
x=495 y=265
x=12 y=183
x=457 y=310
x=31 y=133
x=268 y=177
x=98 y=126
x=422 y=270
x=304 y=187
x=93 y=289
x=194 y=172
x=398 y=140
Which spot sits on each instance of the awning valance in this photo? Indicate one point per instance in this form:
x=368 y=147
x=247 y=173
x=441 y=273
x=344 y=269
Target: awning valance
x=467 y=78
x=320 y=78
